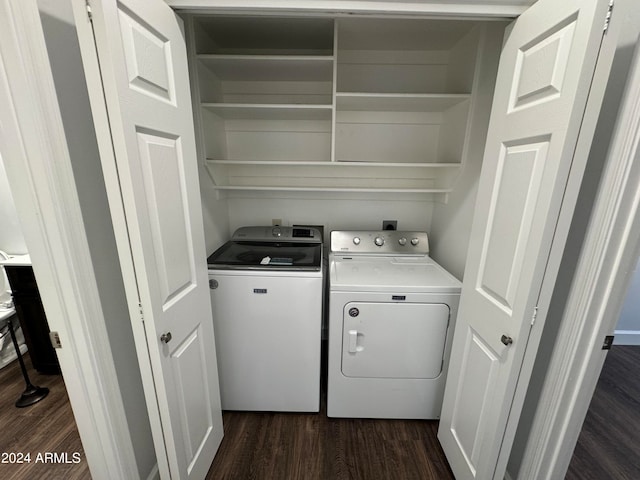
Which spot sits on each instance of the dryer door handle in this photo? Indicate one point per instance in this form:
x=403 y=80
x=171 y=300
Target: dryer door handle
x=353 y=341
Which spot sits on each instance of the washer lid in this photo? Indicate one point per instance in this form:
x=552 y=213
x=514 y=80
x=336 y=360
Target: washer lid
x=391 y=273
x=267 y=256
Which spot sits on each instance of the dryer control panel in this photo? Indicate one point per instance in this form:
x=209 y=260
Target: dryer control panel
x=382 y=242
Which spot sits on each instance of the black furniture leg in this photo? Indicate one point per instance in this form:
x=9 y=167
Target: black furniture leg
x=31 y=394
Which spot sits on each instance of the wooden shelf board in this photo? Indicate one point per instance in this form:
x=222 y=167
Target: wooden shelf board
x=338 y=164
x=331 y=189
x=270 y=68
x=398 y=102
x=254 y=111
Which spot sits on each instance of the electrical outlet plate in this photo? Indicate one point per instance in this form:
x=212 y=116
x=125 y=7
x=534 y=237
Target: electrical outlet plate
x=389 y=224
x=276 y=222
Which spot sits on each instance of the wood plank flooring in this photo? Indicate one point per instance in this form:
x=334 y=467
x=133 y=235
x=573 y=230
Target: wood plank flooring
x=45 y=427
x=609 y=444
x=312 y=446
x=293 y=446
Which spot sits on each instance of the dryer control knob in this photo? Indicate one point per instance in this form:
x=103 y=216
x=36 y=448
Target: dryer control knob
x=402 y=241
x=379 y=241
x=356 y=240
x=415 y=241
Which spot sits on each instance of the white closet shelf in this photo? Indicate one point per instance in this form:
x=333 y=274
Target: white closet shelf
x=339 y=164
x=269 y=68
x=398 y=102
x=327 y=176
x=261 y=111
x=260 y=188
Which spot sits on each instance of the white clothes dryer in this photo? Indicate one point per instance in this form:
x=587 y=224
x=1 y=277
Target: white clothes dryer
x=392 y=311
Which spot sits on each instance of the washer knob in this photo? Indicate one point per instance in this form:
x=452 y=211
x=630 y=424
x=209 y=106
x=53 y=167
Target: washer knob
x=276 y=232
x=415 y=241
x=402 y=241
x=379 y=241
x=356 y=240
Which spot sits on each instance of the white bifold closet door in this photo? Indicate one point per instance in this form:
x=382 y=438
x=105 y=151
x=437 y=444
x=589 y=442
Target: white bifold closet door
x=544 y=78
x=142 y=109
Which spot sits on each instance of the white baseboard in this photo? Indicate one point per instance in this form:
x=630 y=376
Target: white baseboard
x=626 y=337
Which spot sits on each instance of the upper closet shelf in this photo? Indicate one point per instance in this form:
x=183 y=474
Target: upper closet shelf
x=270 y=68
x=248 y=111
x=257 y=175
x=401 y=102
x=351 y=105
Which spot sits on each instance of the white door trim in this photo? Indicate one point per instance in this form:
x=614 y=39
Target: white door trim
x=602 y=276
x=39 y=170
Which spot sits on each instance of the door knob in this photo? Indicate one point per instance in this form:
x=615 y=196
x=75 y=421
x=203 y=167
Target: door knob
x=165 y=337
x=506 y=340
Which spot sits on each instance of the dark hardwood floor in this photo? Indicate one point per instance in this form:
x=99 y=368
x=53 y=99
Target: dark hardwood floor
x=45 y=427
x=609 y=444
x=312 y=446
x=292 y=446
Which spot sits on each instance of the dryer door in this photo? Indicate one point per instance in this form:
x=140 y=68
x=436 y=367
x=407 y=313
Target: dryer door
x=394 y=340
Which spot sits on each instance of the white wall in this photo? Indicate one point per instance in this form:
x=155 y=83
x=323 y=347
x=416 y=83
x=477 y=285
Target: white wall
x=628 y=329
x=343 y=213
x=215 y=213
x=66 y=65
x=451 y=225
x=11 y=239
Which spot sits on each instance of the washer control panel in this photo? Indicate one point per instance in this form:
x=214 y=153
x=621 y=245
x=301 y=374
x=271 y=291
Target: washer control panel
x=279 y=233
x=386 y=242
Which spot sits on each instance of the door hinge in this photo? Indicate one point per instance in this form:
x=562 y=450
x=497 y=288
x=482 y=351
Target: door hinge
x=88 y=7
x=54 y=337
x=534 y=316
x=607 y=19
x=141 y=311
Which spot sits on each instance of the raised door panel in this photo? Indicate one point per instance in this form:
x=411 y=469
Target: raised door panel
x=194 y=398
x=541 y=66
x=517 y=186
x=476 y=385
x=165 y=189
x=148 y=57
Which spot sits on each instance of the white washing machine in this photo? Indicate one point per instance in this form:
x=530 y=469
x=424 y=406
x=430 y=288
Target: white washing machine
x=392 y=311
x=267 y=294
